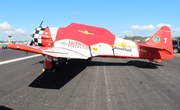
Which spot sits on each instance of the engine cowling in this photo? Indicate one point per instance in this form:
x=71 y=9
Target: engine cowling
x=42 y=37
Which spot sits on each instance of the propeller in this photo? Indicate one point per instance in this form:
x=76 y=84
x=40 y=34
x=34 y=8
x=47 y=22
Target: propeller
x=41 y=24
x=32 y=42
x=32 y=35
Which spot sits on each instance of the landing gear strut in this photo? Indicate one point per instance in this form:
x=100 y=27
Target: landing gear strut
x=150 y=64
x=62 y=60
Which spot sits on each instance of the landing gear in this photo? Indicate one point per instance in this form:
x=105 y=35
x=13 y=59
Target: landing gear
x=48 y=64
x=150 y=65
x=62 y=60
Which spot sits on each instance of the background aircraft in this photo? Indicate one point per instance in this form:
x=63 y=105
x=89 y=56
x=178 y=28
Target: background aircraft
x=80 y=41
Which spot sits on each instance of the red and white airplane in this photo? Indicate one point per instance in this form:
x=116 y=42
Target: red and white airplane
x=79 y=41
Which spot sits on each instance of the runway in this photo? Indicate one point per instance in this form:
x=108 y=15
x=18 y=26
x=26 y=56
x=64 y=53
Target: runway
x=96 y=84
x=12 y=54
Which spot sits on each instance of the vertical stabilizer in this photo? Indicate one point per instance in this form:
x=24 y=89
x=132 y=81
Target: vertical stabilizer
x=162 y=39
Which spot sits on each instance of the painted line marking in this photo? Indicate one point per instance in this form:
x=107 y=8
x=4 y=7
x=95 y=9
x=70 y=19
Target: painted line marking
x=18 y=59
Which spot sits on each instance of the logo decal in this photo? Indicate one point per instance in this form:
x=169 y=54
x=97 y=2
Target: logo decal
x=156 y=39
x=95 y=49
x=85 y=32
x=74 y=44
x=123 y=44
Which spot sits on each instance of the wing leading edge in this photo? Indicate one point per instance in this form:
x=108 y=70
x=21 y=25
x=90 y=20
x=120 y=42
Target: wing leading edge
x=49 y=51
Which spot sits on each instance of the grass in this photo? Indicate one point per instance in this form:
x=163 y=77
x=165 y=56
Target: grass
x=177 y=54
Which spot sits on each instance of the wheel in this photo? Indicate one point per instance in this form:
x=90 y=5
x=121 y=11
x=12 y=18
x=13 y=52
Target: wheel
x=150 y=65
x=49 y=65
x=176 y=50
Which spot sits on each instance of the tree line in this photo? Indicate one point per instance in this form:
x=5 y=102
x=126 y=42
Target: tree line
x=133 y=38
x=143 y=39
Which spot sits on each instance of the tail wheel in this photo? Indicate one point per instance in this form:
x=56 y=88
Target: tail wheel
x=150 y=64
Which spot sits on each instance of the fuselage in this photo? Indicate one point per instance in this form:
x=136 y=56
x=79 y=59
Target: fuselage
x=117 y=47
x=120 y=48
x=84 y=41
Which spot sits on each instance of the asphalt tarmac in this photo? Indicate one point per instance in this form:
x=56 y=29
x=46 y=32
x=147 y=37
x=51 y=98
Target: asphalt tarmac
x=93 y=84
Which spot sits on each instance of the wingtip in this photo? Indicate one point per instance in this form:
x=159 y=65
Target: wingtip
x=11 y=46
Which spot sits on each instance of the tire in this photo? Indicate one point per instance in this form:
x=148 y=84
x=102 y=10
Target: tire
x=52 y=65
x=150 y=65
x=176 y=50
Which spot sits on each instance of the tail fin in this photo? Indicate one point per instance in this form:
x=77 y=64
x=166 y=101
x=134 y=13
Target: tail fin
x=162 y=39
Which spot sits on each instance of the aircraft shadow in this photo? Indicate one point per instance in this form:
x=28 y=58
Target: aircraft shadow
x=5 y=108
x=65 y=73
x=136 y=63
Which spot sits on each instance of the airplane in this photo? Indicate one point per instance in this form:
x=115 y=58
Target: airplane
x=81 y=41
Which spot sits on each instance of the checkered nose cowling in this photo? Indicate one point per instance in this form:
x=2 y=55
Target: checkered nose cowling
x=37 y=36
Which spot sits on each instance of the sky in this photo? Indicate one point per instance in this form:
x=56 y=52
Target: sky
x=19 y=18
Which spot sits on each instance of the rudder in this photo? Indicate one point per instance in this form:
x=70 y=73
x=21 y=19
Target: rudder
x=162 y=39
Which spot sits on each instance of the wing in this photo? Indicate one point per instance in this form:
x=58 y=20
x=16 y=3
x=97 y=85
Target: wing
x=150 y=46
x=50 y=51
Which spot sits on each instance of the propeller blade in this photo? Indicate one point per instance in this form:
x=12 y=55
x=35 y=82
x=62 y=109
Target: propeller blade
x=41 y=24
x=31 y=43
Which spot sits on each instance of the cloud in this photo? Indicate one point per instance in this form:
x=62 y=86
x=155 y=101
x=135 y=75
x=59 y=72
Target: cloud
x=175 y=31
x=148 y=30
x=178 y=29
x=162 y=24
x=5 y=26
x=6 y=29
x=144 y=27
x=149 y=27
x=14 y=32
